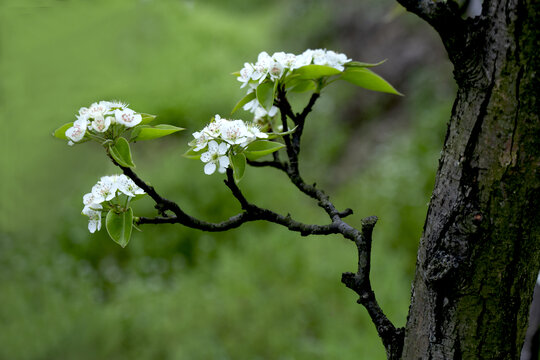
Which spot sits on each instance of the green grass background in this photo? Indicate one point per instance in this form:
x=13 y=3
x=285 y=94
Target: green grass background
x=258 y=292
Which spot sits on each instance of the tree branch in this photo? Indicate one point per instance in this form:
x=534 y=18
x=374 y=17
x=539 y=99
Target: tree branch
x=251 y=213
x=433 y=11
x=360 y=283
x=299 y=120
x=274 y=164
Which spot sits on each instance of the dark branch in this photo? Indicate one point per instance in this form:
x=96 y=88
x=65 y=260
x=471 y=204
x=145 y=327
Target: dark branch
x=274 y=164
x=360 y=283
x=300 y=120
x=231 y=184
x=251 y=213
x=434 y=11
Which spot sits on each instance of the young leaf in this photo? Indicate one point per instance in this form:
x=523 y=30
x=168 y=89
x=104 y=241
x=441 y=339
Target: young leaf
x=147 y=132
x=238 y=162
x=61 y=131
x=275 y=135
x=301 y=85
x=137 y=197
x=190 y=154
x=121 y=153
x=119 y=226
x=368 y=80
x=243 y=101
x=363 y=64
x=146 y=118
x=261 y=148
x=265 y=94
x=316 y=71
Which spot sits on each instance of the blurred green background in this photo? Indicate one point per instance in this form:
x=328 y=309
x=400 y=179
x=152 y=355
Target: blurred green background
x=258 y=292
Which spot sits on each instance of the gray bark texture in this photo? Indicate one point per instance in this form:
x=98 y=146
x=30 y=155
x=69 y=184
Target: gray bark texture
x=479 y=254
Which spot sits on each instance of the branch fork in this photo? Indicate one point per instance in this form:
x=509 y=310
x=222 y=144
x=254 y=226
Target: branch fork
x=359 y=282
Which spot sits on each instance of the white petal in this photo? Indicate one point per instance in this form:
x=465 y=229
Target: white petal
x=223 y=147
x=212 y=146
x=205 y=157
x=224 y=162
x=209 y=168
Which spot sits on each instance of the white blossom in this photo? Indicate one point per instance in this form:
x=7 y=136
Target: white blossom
x=234 y=132
x=105 y=189
x=245 y=74
x=286 y=60
x=77 y=131
x=94 y=221
x=101 y=124
x=127 y=117
x=200 y=141
x=215 y=157
x=262 y=66
x=276 y=66
x=213 y=130
x=128 y=186
x=99 y=109
x=253 y=133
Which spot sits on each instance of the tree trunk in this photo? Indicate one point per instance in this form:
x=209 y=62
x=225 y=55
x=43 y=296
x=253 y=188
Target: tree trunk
x=480 y=251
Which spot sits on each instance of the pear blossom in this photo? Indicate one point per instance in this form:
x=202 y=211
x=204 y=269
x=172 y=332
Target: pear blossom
x=234 y=132
x=99 y=109
x=128 y=186
x=127 y=117
x=94 y=221
x=253 y=133
x=200 y=141
x=245 y=74
x=287 y=60
x=276 y=70
x=77 y=131
x=96 y=120
x=280 y=63
x=214 y=157
x=262 y=66
x=101 y=124
x=213 y=130
x=105 y=190
x=221 y=137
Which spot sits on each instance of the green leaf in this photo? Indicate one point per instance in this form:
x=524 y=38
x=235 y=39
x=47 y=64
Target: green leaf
x=147 y=132
x=363 y=64
x=275 y=135
x=190 y=154
x=236 y=73
x=146 y=118
x=61 y=131
x=265 y=94
x=238 y=162
x=261 y=148
x=316 y=71
x=301 y=85
x=119 y=226
x=137 y=197
x=367 y=79
x=121 y=153
x=243 y=101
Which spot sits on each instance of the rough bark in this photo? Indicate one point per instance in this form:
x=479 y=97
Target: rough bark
x=480 y=251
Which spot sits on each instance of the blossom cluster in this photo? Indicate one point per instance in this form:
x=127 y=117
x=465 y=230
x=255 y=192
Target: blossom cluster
x=275 y=66
x=219 y=136
x=104 y=191
x=99 y=117
x=278 y=66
